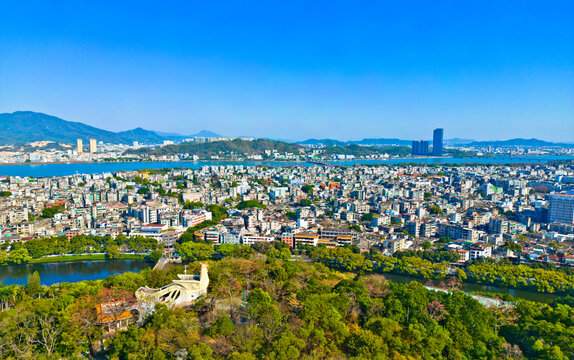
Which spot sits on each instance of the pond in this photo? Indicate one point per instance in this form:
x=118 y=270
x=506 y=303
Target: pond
x=59 y=272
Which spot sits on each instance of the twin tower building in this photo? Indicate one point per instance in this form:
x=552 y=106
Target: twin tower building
x=93 y=146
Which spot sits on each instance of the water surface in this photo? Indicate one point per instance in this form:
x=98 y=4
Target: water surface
x=42 y=170
x=59 y=272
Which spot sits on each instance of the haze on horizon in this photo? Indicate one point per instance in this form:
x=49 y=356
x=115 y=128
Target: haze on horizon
x=482 y=70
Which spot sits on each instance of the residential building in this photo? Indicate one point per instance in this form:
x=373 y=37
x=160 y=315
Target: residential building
x=561 y=208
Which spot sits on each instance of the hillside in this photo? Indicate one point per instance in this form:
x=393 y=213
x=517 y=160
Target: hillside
x=28 y=126
x=218 y=147
x=22 y=127
x=142 y=136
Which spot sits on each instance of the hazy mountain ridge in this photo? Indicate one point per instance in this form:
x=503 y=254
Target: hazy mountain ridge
x=22 y=127
x=28 y=126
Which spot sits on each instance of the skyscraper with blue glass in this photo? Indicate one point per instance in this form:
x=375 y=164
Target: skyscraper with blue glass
x=437 y=142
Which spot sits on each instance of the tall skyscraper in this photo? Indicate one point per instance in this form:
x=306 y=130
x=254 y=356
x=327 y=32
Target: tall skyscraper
x=561 y=208
x=415 y=148
x=80 y=146
x=93 y=146
x=437 y=142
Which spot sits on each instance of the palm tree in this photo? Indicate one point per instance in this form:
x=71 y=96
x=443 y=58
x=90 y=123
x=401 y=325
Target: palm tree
x=6 y=293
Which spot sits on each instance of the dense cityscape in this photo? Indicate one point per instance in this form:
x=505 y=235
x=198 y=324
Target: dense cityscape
x=479 y=209
x=443 y=226
x=301 y=180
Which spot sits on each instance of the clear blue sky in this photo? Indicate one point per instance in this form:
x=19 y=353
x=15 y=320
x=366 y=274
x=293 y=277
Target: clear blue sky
x=295 y=69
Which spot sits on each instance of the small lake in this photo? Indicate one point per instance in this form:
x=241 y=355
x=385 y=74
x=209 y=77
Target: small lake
x=53 y=273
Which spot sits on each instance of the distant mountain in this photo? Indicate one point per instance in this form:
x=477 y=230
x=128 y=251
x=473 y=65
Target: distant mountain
x=28 y=126
x=459 y=141
x=168 y=134
x=205 y=133
x=142 y=136
x=518 y=142
x=23 y=127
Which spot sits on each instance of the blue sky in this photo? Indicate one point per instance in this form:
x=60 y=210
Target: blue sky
x=295 y=69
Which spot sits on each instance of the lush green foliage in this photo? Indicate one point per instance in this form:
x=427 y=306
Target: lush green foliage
x=307 y=189
x=522 y=276
x=434 y=265
x=189 y=205
x=432 y=256
x=237 y=146
x=218 y=213
x=249 y=204
x=305 y=202
x=359 y=150
x=543 y=331
x=267 y=306
x=49 y=212
x=79 y=244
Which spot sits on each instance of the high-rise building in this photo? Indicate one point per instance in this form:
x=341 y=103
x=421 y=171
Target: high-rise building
x=80 y=146
x=437 y=142
x=93 y=146
x=561 y=208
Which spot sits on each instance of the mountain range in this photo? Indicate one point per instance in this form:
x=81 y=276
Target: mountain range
x=22 y=127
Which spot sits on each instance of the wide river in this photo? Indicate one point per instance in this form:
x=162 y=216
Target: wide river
x=40 y=170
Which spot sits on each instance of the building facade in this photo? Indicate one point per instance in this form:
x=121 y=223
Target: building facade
x=561 y=208
x=437 y=142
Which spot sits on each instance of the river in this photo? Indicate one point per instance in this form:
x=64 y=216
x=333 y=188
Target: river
x=53 y=273
x=471 y=287
x=59 y=272
x=42 y=170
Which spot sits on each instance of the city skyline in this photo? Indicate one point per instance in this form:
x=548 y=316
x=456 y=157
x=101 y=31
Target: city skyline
x=483 y=71
x=286 y=180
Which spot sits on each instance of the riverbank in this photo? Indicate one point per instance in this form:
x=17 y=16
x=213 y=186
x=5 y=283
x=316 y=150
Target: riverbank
x=390 y=159
x=471 y=287
x=90 y=257
x=47 y=170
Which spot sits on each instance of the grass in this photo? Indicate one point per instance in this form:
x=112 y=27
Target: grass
x=71 y=258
